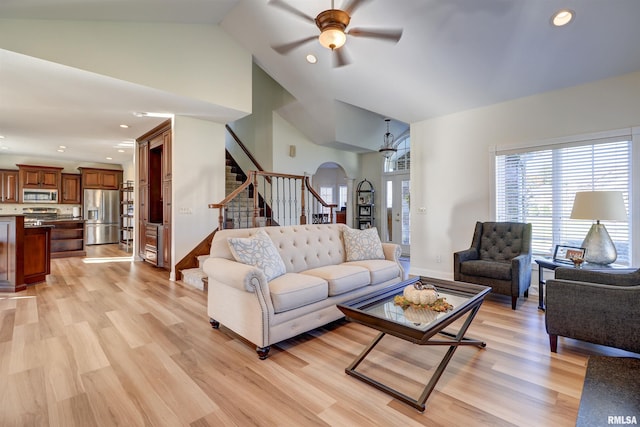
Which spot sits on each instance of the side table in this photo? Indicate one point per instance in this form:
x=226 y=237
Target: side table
x=550 y=264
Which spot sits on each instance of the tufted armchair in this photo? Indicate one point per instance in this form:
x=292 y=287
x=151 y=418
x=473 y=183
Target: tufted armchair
x=595 y=306
x=500 y=257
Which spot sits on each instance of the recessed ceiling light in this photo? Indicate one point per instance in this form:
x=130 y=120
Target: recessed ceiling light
x=311 y=59
x=562 y=17
x=120 y=151
x=60 y=150
x=62 y=146
x=124 y=126
x=109 y=158
x=1 y=136
x=4 y=148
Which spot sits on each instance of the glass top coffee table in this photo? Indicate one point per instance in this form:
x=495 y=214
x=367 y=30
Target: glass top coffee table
x=420 y=326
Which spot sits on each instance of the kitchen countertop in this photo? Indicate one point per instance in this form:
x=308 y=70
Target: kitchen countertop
x=62 y=218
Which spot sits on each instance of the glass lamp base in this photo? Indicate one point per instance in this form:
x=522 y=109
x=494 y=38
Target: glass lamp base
x=599 y=248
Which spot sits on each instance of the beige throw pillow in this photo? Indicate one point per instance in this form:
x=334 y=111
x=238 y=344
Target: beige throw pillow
x=360 y=245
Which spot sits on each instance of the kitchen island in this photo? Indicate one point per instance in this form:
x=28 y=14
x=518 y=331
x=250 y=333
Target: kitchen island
x=25 y=253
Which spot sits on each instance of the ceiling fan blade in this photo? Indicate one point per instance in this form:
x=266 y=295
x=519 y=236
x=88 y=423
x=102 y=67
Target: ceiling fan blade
x=340 y=57
x=288 y=8
x=353 y=5
x=283 y=49
x=390 y=34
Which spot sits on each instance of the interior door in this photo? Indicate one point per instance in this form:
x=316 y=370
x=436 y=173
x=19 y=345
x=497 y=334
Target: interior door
x=396 y=214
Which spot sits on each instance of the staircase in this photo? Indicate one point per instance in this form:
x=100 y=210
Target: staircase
x=282 y=199
x=195 y=276
x=234 y=177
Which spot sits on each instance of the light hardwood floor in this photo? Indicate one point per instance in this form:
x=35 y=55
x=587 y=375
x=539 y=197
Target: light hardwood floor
x=107 y=341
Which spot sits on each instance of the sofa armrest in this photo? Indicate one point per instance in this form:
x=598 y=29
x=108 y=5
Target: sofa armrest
x=521 y=273
x=391 y=251
x=466 y=255
x=236 y=274
x=601 y=314
x=623 y=277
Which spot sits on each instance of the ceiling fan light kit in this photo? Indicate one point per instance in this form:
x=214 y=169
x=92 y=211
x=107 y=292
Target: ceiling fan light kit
x=332 y=24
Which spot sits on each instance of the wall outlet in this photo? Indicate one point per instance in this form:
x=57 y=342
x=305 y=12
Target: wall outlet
x=438 y=259
x=422 y=210
x=185 y=211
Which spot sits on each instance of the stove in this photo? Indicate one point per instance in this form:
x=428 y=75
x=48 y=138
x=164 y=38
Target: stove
x=36 y=215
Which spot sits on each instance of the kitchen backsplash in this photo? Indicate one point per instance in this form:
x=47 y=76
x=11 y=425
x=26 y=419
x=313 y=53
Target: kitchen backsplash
x=11 y=208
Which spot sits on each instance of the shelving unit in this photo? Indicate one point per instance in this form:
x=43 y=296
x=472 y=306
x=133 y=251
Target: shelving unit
x=126 y=215
x=67 y=238
x=365 y=207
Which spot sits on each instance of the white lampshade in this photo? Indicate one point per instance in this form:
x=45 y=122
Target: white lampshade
x=599 y=205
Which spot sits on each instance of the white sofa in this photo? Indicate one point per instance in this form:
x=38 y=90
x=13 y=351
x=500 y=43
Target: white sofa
x=317 y=277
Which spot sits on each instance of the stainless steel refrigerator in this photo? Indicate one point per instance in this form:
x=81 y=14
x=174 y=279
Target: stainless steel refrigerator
x=102 y=214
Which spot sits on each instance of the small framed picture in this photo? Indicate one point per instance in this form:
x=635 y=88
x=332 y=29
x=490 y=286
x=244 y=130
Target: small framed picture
x=364 y=211
x=567 y=253
x=363 y=225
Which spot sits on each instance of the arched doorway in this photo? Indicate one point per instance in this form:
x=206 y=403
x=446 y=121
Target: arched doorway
x=330 y=181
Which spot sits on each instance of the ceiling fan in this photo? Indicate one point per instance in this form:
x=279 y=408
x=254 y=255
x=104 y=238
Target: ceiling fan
x=333 y=24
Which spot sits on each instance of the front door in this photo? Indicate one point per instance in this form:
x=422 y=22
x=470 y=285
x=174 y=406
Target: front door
x=396 y=212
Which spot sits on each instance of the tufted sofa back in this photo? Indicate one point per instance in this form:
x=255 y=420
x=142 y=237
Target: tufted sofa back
x=301 y=246
x=503 y=241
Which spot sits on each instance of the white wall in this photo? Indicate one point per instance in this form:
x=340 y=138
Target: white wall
x=256 y=130
x=451 y=172
x=198 y=165
x=196 y=61
x=309 y=156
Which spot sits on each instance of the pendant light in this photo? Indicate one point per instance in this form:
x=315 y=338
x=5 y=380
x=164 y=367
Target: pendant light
x=387 y=149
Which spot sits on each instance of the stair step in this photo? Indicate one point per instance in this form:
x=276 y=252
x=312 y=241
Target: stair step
x=193 y=277
x=202 y=259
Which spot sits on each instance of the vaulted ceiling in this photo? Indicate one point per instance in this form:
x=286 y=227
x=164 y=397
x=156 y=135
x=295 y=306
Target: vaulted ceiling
x=453 y=55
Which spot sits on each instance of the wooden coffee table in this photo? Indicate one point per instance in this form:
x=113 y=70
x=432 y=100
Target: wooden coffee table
x=420 y=326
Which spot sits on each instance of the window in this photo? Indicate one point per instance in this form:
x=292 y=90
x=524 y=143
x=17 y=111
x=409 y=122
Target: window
x=342 y=196
x=326 y=193
x=538 y=186
x=401 y=159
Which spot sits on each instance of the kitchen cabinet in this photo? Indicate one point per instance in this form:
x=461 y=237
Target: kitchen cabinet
x=37 y=254
x=9 y=186
x=166 y=155
x=143 y=162
x=104 y=179
x=12 y=253
x=154 y=195
x=44 y=177
x=153 y=244
x=71 y=189
x=166 y=222
x=143 y=218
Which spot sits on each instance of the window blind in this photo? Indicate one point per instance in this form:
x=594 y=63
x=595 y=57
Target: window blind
x=539 y=186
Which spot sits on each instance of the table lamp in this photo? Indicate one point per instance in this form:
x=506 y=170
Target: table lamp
x=599 y=205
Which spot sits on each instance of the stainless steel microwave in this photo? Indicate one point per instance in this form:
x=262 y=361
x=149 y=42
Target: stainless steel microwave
x=37 y=195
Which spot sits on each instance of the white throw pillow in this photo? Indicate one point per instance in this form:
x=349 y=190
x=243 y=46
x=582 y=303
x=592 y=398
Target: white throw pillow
x=360 y=245
x=259 y=251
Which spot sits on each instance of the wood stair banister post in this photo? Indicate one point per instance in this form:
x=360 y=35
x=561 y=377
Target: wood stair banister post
x=303 y=211
x=256 y=209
